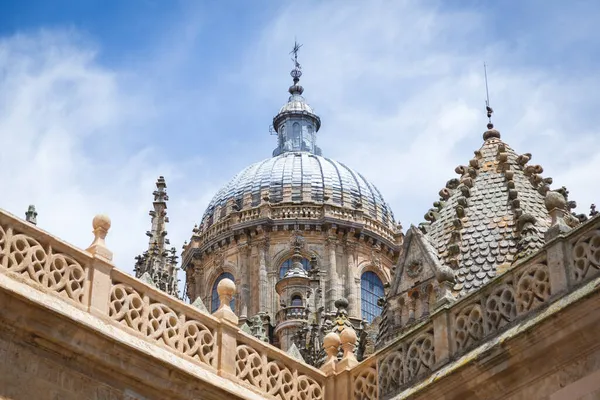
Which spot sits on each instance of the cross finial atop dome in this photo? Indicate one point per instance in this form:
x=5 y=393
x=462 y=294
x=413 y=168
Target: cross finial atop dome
x=296 y=73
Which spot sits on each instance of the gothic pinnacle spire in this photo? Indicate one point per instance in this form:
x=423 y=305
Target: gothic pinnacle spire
x=158 y=264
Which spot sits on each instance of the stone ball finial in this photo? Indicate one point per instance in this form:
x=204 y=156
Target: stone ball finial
x=331 y=341
x=226 y=290
x=555 y=200
x=341 y=303
x=331 y=345
x=101 y=221
x=101 y=224
x=226 y=287
x=348 y=336
x=491 y=133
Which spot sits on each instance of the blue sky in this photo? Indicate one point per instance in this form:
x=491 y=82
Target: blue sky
x=98 y=98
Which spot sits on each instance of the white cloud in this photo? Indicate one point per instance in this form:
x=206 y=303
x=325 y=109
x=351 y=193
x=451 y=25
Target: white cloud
x=63 y=122
x=400 y=89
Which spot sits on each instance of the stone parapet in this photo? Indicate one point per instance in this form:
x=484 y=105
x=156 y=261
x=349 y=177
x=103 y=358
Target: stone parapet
x=97 y=302
x=129 y=308
x=519 y=294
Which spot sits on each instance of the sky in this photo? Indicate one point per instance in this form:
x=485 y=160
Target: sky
x=99 y=98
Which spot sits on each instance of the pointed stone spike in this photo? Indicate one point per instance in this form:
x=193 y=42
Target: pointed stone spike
x=295 y=353
x=199 y=304
x=246 y=329
x=147 y=279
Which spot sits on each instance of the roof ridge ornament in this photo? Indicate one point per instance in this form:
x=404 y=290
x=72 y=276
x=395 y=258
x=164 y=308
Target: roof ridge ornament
x=491 y=132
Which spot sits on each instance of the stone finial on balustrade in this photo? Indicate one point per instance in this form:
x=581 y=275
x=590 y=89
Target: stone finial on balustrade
x=556 y=206
x=348 y=338
x=226 y=290
x=101 y=225
x=331 y=345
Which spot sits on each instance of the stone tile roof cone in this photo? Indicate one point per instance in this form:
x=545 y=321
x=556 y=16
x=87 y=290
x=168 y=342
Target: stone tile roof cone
x=492 y=214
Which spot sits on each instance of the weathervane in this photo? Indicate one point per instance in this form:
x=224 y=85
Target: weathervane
x=296 y=72
x=489 y=109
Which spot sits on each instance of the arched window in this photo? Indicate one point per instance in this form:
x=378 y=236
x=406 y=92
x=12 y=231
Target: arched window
x=296 y=300
x=288 y=263
x=371 y=289
x=296 y=134
x=215 y=303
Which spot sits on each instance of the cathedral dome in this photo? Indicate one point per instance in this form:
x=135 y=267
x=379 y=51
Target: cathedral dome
x=299 y=177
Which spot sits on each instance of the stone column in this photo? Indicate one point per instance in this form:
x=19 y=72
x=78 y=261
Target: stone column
x=333 y=293
x=358 y=296
x=263 y=288
x=272 y=300
x=198 y=279
x=244 y=271
x=351 y=271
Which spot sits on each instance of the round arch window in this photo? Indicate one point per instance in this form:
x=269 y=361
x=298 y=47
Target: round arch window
x=215 y=302
x=371 y=290
x=296 y=300
x=287 y=264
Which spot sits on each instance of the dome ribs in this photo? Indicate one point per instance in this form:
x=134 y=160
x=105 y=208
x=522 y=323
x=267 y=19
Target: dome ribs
x=337 y=186
x=318 y=181
x=257 y=184
x=276 y=185
x=357 y=192
x=297 y=177
x=373 y=199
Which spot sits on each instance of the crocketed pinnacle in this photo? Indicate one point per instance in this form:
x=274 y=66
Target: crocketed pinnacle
x=158 y=265
x=491 y=215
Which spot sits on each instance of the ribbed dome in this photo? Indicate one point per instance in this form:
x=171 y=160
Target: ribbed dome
x=296 y=103
x=296 y=177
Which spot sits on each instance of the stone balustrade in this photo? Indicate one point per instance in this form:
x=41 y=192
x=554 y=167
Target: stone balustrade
x=216 y=229
x=297 y=212
x=89 y=282
x=281 y=213
x=453 y=331
x=291 y=313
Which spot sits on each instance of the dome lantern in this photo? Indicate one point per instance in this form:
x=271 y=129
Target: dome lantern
x=296 y=124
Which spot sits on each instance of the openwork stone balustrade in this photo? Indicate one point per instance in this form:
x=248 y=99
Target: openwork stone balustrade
x=285 y=213
x=291 y=313
x=88 y=281
x=564 y=264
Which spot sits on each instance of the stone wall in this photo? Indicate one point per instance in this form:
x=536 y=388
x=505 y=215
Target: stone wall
x=255 y=261
x=29 y=372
